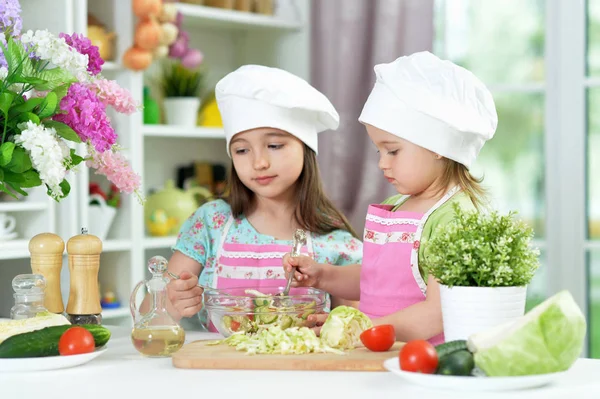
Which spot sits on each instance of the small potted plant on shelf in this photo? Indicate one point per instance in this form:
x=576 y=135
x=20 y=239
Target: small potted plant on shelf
x=102 y=209
x=181 y=88
x=483 y=262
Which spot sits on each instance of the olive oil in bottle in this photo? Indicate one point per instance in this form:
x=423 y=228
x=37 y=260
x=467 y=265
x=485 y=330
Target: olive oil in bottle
x=158 y=341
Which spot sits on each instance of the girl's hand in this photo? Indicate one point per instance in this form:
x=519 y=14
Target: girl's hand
x=316 y=321
x=185 y=295
x=307 y=272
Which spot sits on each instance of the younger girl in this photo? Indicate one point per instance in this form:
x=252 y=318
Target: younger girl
x=428 y=119
x=271 y=119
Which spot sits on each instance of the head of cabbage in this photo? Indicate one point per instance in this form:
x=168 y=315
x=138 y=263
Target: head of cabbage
x=547 y=339
x=343 y=327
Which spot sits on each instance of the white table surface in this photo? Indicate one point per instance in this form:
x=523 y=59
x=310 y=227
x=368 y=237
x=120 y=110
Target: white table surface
x=122 y=373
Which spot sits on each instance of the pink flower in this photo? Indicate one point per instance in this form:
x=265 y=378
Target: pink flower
x=83 y=45
x=86 y=115
x=116 y=169
x=110 y=93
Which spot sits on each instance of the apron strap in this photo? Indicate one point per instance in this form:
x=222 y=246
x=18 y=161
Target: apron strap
x=414 y=254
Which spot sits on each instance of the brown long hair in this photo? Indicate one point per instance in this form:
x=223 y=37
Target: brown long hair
x=471 y=185
x=313 y=211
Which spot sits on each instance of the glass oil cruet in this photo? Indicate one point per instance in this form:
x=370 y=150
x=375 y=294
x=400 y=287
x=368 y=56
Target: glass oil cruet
x=155 y=333
x=29 y=296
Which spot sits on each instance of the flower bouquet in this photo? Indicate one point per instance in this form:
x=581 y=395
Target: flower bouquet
x=52 y=96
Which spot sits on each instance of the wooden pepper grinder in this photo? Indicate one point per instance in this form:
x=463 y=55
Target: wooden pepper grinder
x=84 y=262
x=46 y=251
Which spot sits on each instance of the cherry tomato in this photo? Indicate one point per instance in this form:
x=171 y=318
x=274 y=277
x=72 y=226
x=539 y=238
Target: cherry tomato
x=379 y=338
x=418 y=356
x=75 y=341
x=235 y=325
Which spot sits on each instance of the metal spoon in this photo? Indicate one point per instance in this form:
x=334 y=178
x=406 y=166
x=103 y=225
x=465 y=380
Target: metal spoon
x=299 y=241
x=176 y=277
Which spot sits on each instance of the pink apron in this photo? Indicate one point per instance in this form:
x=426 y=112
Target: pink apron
x=390 y=279
x=251 y=265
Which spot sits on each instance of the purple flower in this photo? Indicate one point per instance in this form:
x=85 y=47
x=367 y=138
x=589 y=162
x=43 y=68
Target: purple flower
x=10 y=17
x=84 y=46
x=10 y=23
x=86 y=115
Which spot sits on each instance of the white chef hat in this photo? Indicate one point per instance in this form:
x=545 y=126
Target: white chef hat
x=255 y=96
x=434 y=104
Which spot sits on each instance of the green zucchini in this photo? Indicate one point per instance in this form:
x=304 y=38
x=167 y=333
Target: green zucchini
x=459 y=362
x=44 y=342
x=449 y=347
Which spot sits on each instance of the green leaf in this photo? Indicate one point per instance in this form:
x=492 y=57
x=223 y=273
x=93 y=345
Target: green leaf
x=6 y=100
x=6 y=153
x=75 y=159
x=29 y=80
x=48 y=106
x=31 y=179
x=15 y=54
x=54 y=78
x=65 y=187
x=28 y=105
x=16 y=187
x=63 y=131
x=4 y=188
x=28 y=116
x=1 y=175
x=20 y=161
x=61 y=91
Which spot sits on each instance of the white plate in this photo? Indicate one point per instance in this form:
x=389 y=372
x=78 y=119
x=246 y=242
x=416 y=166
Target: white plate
x=47 y=363
x=459 y=383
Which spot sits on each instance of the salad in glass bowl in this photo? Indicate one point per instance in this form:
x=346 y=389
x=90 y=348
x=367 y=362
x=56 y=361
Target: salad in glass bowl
x=247 y=310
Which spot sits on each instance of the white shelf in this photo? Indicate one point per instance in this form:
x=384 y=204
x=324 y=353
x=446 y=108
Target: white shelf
x=14 y=249
x=183 y=132
x=159 y=242
x=23 y=206
x=116 y=245
x=203 y=16
x=115 y=313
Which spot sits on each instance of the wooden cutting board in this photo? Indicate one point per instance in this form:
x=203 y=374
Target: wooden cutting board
x=198 y=355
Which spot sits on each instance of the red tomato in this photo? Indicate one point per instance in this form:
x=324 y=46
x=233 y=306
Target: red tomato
x=379 y=338
x=235 y=325
x=75 y=341
x=418 y=356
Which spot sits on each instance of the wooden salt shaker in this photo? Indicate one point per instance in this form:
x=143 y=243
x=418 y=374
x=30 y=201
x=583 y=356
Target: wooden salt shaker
x=84 y=263
x=46 y=251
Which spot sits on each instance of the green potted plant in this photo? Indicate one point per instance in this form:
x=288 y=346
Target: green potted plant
x=483 y=262
x=181 y=88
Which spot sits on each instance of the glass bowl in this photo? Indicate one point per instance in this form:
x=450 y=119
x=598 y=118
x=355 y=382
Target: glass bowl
x=247 y=309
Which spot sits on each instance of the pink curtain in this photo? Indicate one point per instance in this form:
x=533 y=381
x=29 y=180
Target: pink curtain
x=349 y=37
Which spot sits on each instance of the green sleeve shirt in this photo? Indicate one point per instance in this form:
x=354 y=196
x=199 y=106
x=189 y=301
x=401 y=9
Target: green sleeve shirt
x=441 y=216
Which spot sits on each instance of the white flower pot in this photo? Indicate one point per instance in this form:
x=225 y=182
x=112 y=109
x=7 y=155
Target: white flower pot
x=182 y=111
x=100 y=217
x=467 y=310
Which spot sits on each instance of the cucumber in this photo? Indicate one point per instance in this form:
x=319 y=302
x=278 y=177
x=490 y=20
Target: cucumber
x=262 y=301
x=268 y=318
x=285 y=322
x=449 y=347
x=44 y=342
x=307 y=313
x=459 y=362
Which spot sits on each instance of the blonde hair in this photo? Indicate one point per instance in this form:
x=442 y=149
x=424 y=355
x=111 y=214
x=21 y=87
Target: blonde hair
x=469 y=184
